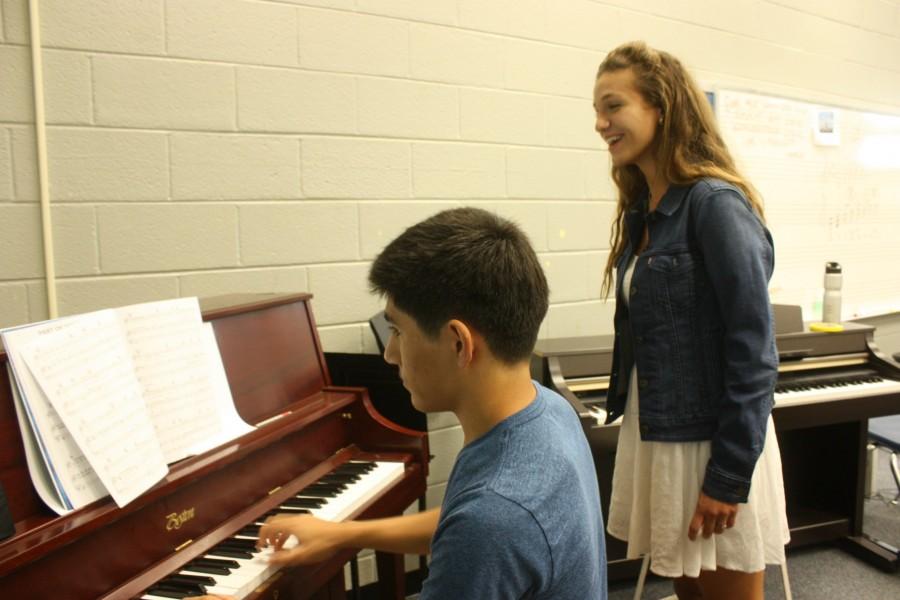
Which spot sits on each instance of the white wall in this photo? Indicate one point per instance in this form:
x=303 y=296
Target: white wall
x=199 y=147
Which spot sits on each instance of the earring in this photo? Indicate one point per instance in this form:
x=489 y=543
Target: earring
x=660 y=119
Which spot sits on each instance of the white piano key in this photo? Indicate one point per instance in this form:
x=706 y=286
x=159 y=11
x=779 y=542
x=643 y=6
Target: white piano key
x=223 y=590
x=360 y=492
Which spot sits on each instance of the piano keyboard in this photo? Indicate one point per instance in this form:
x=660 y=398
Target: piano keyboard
x=235 y=567
x=792 y=393
x=809 y=390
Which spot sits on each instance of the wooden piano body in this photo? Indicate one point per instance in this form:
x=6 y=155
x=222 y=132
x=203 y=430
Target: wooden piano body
x=822 y=441
x=275 y=366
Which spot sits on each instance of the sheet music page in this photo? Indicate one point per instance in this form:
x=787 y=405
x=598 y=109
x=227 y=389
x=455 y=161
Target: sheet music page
x=231 y=425
x=169 y=347
x=38 y=469
x=70 y=477
x=86 y=372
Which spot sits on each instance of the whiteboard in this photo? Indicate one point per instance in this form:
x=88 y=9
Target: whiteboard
x=830 y=182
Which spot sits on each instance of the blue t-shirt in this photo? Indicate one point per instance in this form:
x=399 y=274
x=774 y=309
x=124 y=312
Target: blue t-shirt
x=521 y=514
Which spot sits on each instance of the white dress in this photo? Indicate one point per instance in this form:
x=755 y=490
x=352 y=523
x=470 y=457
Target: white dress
x=654 y=495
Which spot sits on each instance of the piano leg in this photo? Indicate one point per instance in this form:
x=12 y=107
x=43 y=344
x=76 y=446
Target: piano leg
x=874 y=552
x=391 y=576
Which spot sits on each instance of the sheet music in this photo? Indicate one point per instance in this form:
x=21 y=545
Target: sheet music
x=159 y=356
x=43 y=480
x=230 y=423
x=100 y=401
x=64 y=474
x=170 y=352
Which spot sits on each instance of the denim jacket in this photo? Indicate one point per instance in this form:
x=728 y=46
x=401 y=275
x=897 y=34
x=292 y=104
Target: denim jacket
x=699 y=327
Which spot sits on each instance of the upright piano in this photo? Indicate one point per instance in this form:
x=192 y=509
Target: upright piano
x=829 y=385
x=316 y=447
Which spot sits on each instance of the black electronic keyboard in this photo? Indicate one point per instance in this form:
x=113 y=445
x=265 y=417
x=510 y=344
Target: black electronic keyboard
x=829 y=385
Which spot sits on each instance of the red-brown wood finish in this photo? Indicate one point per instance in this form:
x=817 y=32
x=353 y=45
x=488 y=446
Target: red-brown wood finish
x=275 y=365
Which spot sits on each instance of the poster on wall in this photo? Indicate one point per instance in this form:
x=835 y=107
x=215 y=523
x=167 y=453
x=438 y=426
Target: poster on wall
x=826 y=126
x=711 y=98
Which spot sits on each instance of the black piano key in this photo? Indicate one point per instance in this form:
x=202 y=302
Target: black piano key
x=207 y=569
x=188 y=589
x=191 y=579
x=250 y=549
x=338 y=478
x=168 y=593
x=355 y=468
x=249 y=530
x=335 y=487
x=312 y=491
x=238 y=543
x=282 y=511
x=338 y=485
x=223 y=563
x=322 y=486
x=368 y=465
x=304 y=502
x=229 y=553
x=171 y=583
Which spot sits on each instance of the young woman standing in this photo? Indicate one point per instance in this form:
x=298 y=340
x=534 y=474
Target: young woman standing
x=697 y=482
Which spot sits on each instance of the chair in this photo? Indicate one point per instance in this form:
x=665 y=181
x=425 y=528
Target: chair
x=884 y=432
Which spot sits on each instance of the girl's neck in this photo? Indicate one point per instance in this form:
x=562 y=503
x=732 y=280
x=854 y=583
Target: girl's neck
x=656 y=185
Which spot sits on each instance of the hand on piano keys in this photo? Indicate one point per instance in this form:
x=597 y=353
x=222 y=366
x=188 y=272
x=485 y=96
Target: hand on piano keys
x=236 y=566
x=321 y=539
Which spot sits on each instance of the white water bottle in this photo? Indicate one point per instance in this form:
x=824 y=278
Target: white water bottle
x=831 y=302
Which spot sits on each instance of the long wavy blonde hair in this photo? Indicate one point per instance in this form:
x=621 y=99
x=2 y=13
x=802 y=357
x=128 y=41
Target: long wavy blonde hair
x=687 y=146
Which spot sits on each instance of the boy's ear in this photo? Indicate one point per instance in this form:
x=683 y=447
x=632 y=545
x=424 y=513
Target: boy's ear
x=463 y=340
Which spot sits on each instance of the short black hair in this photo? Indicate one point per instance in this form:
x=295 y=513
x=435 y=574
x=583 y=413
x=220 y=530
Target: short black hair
x=472 y=265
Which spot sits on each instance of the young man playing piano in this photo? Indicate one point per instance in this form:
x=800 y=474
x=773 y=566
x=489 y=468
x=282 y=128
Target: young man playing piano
x=521 y=517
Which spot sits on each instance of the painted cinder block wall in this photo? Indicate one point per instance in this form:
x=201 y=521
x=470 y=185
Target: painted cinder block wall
x=200 y=147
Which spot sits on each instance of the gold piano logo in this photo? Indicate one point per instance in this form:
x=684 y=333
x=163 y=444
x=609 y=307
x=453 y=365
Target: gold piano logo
x=176 y=520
